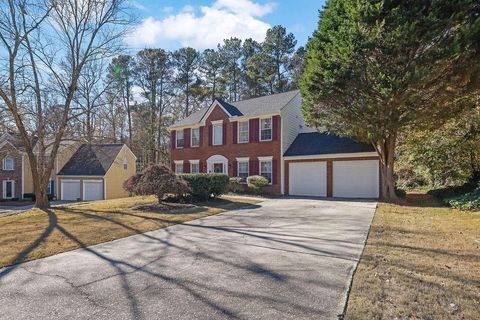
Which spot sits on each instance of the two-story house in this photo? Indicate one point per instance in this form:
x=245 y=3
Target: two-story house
x=267 y=136
x=81 y=171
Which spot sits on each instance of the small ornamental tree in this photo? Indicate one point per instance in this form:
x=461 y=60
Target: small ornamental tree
x=156 y=180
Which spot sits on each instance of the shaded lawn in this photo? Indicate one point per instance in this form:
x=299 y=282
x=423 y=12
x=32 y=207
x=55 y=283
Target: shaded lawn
x=421 y=261
x=35 y=233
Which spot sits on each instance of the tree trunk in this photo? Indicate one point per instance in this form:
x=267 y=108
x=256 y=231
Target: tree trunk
x=386 y=151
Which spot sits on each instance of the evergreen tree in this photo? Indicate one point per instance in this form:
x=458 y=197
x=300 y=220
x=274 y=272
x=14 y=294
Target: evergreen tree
x=186 y=64
x=231 y=53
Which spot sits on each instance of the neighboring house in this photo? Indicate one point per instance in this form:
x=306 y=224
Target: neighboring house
x=268 y=136
x=98 y=171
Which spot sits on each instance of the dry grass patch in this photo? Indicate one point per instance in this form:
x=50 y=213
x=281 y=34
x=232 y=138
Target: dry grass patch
x=37 y=233
x=421 y=261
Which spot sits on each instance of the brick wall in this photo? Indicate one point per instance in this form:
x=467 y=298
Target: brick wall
x=232 y=150
x=16 y=175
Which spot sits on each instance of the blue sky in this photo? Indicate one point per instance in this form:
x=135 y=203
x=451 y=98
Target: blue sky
x=170 y=24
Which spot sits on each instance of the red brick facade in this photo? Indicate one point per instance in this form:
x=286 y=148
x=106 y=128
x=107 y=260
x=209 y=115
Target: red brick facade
x=230 y=148
x=8 y=151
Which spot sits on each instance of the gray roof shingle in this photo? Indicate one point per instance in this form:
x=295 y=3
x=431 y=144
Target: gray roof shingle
x=251 y=107
x=315 y=143
x=91 y=160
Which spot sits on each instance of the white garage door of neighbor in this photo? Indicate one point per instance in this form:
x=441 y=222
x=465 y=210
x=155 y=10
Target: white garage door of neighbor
x=307 y=179
x=70 y=189
x=356 y=179
x=92 y=190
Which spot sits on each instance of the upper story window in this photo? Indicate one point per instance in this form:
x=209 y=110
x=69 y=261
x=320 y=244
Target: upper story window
x=8 y=164
x=266 y=169
x=266 y=129
x=179 y=139
x=243 y=133
x=217 y=133
x=195 y=137
x=125 y=163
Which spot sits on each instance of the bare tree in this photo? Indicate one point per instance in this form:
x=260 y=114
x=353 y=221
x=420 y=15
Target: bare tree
x=45 y=46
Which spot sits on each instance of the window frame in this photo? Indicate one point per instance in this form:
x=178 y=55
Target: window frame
x=198 y=138
x=217 y=124
x=125 y=163
x=4 y=166
x=194 y=163
x=271 y=169
x=238 y=168
x=4 y=187
x=247 y=131
x=178 y=163
x=260 y=129
x=176 y=139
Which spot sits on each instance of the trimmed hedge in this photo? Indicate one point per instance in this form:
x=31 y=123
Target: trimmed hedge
x=467 y=201
x=205 y=185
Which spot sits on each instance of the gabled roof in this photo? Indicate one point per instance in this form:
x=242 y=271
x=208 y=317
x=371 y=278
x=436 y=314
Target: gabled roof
x=91 y=160
x=246 y=108
x=315 y=143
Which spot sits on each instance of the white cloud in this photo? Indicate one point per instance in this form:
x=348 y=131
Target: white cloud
x=205 y=29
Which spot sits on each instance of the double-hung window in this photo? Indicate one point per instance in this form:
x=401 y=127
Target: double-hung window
x=217 y=134
x=194 y=166
x=178 y=166
x=266 y=129
x=266 y=169
x=243 y=132
x=242 y=168
x=8 y=164
x=125 y=163
x=195 y=137
x=179 y=139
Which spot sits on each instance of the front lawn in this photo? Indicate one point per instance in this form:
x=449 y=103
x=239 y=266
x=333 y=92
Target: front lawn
x=421 y=261
x=37 y=233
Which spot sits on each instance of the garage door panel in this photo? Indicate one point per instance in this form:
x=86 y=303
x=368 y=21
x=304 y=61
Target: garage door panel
x=356 y=179
x=308 y=179
x=70 y=190
x=93 y=190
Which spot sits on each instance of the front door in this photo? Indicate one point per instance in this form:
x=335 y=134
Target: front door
x=8 y=190
x=218 y=167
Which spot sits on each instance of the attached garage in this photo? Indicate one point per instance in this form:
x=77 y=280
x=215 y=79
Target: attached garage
x=70 y=190
x=324 y=165
x=355 y=179
x=92 y=190
x=308 y=179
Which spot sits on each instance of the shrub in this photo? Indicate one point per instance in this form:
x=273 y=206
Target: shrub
x=257 y=183
x=468 y=201
x=156 y=180
x=236 y=185
x=205 y=185
x=400 y=192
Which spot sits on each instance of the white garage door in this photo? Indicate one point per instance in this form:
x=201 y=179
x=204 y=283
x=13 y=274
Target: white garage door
x=70 y=189
x=308 y=179
x=92 y=190
x=356 y=179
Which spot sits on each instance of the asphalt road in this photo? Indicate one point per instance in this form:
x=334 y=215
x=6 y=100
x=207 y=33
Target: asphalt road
x=284 y=259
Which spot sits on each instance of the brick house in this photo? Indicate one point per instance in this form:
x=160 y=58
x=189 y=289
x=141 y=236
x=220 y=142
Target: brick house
x=267 y=136
x=81 y=171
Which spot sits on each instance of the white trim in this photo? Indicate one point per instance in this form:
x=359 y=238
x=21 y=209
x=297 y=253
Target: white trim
x=4 y=162
x=238 y=132
x=196 y=161
x=191 y=137
x=75 y=177
x=178 y=161
x=176 y=139
x=217 y=122
x=115 y=160
x=62 y=196
x=23 y=175
x=5 y=142
x=104 y=189
x=217 y=159
x=243 y=159
x=260 y=128
x=268 y=158
x=245 y=118
x=4 y=187
x=333 y=155
x=210 y=109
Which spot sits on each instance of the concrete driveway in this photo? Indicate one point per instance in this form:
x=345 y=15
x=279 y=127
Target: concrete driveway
x=286 y=259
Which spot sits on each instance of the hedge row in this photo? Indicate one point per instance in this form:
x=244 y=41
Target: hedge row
x=205 y=185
